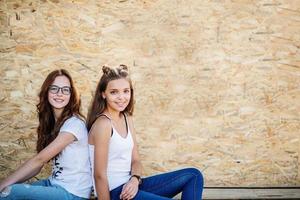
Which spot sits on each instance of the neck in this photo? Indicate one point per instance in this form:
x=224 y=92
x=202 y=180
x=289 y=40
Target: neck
x=57 y=113
x=113 y=114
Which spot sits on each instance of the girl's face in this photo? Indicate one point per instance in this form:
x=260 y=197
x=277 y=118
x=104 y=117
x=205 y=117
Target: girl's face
x=117 y=94
x=59 y=93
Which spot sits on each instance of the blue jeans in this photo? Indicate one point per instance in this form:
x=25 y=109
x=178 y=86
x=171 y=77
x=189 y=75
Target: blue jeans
x=38 y=190
x=189 y=181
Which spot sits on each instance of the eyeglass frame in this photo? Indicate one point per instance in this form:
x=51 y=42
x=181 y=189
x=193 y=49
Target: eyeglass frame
x=59 y=89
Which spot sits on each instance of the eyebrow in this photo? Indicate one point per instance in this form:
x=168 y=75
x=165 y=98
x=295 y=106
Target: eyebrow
x=62 y=86
x=120 y=89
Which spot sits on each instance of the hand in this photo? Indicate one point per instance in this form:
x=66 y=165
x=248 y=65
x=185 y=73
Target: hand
x=2 y=187
x=130 y=189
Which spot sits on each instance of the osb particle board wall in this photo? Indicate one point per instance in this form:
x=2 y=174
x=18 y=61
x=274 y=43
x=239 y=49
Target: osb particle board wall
x=217 y=82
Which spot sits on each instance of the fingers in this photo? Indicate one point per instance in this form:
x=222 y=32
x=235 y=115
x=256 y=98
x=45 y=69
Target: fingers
x=126 y=192
x=129 y=191
x=123 y=193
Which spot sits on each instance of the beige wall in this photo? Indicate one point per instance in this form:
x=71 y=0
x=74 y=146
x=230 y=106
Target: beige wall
x=217 y=82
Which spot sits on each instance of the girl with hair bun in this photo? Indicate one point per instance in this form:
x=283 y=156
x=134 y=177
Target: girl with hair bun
x=114 y=153
x=62 y=138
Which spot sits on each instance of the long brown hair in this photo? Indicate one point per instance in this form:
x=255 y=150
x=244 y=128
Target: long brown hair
x=48 y=129
x=98 y=104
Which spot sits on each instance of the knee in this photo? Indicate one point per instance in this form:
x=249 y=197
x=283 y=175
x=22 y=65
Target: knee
x=195 y=172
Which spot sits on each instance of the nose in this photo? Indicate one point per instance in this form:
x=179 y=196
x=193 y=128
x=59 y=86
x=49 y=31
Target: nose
x=60 y=92
x=121 y=95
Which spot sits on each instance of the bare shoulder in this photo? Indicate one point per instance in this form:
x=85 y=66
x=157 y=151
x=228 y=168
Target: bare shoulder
x=101 y=125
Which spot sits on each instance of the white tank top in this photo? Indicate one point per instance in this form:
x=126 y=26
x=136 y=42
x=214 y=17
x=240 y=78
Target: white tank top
x=119 y=158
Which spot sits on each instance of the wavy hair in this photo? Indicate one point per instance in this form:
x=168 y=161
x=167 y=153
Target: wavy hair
x=48 y=128
x=98 y=104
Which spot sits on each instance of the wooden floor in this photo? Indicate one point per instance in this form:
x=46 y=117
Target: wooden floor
x=248 y=193
x=251 y=193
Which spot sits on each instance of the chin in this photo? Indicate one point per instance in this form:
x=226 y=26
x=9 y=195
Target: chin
x=120 y=109
x=59 y=106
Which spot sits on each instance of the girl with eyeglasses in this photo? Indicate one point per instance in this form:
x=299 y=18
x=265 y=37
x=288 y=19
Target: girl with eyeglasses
x=62 y=138
x=114 y=153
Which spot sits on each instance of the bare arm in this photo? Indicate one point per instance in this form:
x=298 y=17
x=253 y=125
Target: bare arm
x=100 y=135
x=131 y=187
x=35 y=164
x=136 y=165
x=29 y=176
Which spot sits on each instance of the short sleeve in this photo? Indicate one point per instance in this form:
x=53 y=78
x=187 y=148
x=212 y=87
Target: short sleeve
x=75 y=126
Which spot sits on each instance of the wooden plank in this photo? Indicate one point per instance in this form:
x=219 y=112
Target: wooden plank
x=251 y=193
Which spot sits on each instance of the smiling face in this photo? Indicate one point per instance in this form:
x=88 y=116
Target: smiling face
x=58 y=96
x=117 y=95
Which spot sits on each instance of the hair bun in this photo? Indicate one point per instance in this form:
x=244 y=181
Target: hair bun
x=106 y=69
x=123 y=67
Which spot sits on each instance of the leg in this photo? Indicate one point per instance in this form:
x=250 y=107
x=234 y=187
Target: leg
x=38 y=190
x=115 y=193
x=188 y=181
x=42 y=182
x=141 y=195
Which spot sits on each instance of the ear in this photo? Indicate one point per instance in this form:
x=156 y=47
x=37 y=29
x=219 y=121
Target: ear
x=103 y=95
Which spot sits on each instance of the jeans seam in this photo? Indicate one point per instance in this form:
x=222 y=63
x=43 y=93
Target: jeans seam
x=195 y=187
x=181 y=175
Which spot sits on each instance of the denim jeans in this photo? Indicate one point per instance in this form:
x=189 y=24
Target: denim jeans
x=38 y=190
x=189 y=181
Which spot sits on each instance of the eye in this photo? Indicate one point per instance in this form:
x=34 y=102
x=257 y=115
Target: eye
x=53 y=89
x=66 y=90
x=113 y=92
x=126 y=91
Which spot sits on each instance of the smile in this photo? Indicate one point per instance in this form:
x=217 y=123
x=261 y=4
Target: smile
x=121 y=104
x=58 y=100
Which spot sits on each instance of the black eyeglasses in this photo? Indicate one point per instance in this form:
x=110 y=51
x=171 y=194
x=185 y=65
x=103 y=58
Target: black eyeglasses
x=54 y=89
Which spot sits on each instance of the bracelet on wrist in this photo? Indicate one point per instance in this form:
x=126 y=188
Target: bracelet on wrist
x=137 y=177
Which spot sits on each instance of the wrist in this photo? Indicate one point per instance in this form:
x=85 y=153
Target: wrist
x=2 y=187
x=134 y=181
x=137 y=178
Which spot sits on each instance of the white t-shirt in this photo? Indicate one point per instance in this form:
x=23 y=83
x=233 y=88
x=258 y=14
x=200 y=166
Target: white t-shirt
x=71 y=167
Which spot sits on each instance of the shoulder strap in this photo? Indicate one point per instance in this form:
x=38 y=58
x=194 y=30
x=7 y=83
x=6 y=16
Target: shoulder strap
x=112 y=132
x=127 y=129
